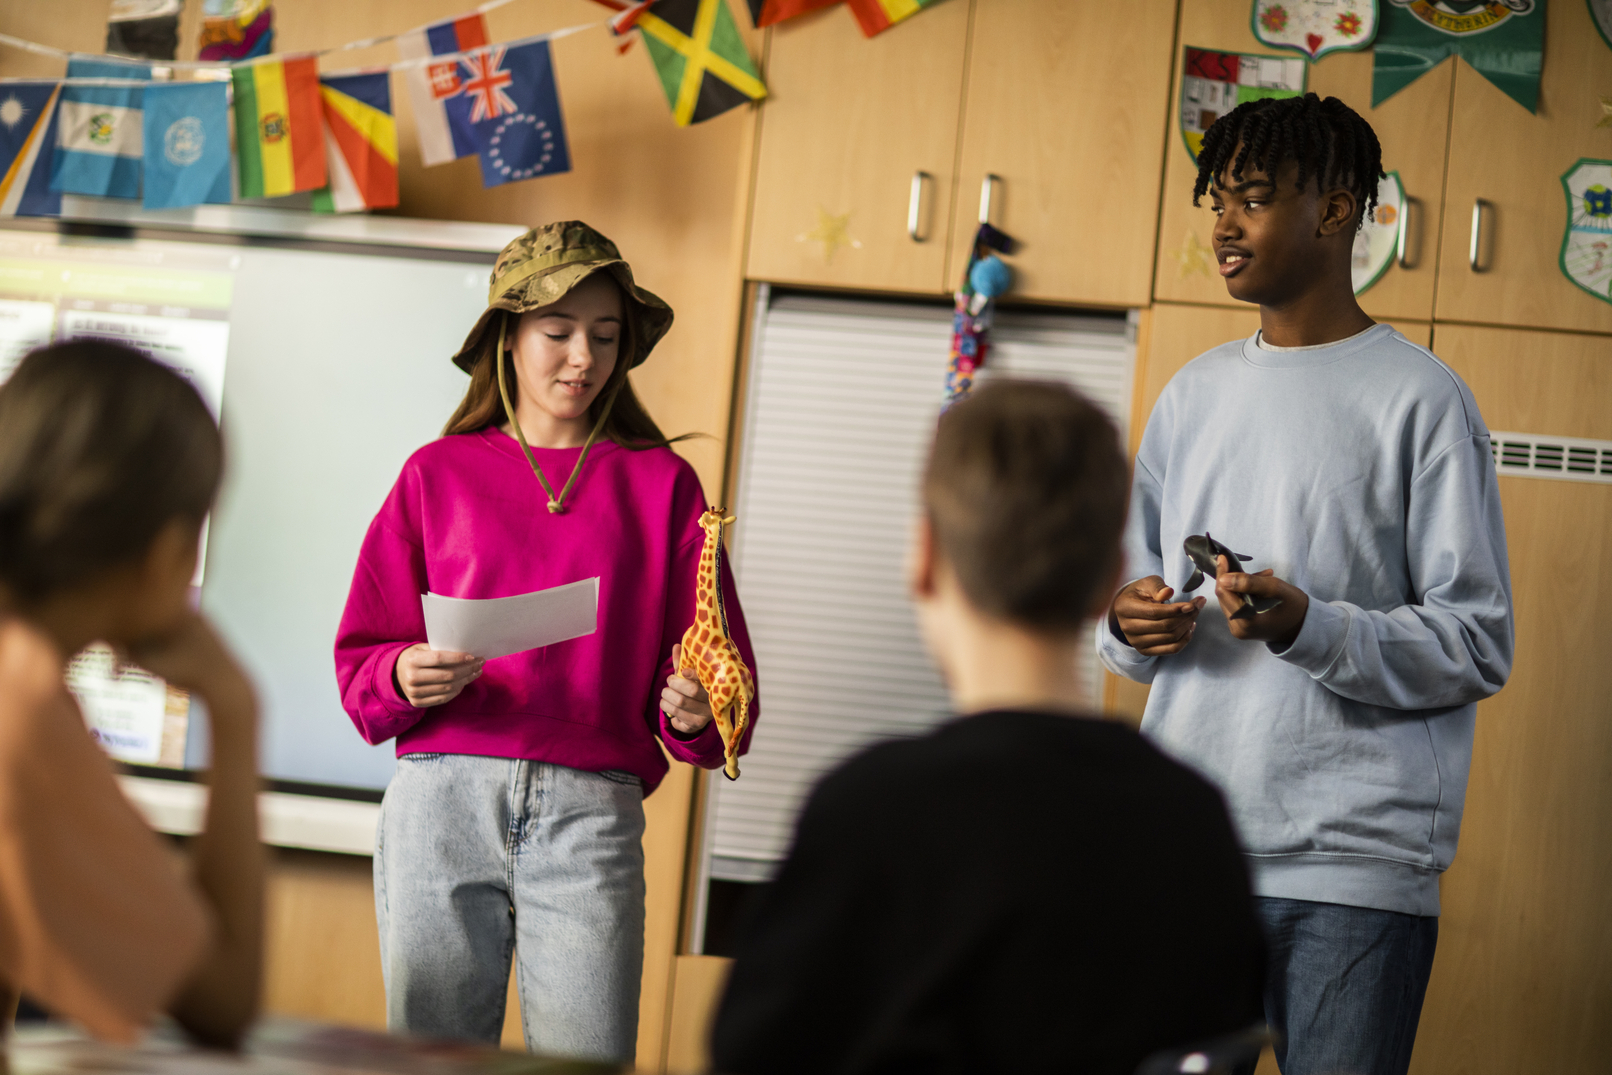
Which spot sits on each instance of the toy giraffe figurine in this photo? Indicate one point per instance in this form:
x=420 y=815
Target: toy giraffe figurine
x=711 y=653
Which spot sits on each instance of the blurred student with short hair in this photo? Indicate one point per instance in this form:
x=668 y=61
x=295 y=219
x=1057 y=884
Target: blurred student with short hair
x=1030 y=887
x=109 y=463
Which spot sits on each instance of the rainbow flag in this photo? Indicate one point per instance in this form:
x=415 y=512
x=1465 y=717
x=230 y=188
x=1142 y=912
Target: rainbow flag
x=360 y=143
x=876 y=16
x=278 y=135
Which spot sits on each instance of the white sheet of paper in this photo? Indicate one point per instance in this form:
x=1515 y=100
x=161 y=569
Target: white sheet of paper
x=500 y=626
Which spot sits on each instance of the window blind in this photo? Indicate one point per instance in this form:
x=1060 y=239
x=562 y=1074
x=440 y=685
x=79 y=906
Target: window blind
x=842 y=400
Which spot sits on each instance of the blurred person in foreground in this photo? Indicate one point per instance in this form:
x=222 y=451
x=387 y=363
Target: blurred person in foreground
x=109 y=463
x=1031 y=886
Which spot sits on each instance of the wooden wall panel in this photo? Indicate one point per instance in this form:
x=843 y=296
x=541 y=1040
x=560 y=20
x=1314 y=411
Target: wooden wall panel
x=1523 y=978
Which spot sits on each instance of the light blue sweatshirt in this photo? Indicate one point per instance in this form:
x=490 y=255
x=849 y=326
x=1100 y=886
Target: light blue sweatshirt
x=1361 y=473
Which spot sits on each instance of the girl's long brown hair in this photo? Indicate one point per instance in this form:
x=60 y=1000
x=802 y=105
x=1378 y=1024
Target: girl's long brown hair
x=629 y=424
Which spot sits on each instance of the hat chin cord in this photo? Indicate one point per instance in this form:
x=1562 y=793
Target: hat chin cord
x=556 y=503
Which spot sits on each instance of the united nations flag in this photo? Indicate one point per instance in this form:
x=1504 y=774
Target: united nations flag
x=186 y=144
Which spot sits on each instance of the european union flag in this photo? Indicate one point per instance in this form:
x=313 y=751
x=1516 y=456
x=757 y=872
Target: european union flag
x=186 y=144
x=99 y=141
x=507 y=99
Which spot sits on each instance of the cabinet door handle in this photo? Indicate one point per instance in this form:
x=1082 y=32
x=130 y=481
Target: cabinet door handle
x=987 y=186
x=1402 y=241
x=1475 y=250
x=915 y=206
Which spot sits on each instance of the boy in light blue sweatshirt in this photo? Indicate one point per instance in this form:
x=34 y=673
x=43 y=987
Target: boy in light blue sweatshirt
x=1354 y=468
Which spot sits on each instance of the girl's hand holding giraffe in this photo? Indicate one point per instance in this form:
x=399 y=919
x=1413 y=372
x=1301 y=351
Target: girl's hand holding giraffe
x=684 y=701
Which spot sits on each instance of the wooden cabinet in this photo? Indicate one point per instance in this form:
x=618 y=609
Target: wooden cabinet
x=1412 y=126
x=847 y=124
x=1514 y=161
x=1521 y=980
x=1067 y=105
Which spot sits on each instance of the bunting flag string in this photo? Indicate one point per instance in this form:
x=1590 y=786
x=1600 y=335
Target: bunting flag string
x=115 y=126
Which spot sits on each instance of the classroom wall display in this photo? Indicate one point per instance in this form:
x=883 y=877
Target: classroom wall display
x=323 y=344
x=1601 y=13
x=1587 y=241
x=1503 y=40
x=1315 y=27
x=1378 y=242
x=1213 y=83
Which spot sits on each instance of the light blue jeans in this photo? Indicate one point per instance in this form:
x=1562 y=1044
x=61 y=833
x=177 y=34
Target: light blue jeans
x=481 y=859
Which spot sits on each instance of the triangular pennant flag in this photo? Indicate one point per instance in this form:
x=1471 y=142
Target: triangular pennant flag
x=278 y=131
x=27 y=145
x=430 y=84
x=768 y=12
x=876 y=16
x=360 y=143
x=186 y=126
x=700 y=57
x=98 y=132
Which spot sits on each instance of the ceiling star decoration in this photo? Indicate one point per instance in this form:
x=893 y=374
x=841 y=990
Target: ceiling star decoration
x=1194 y=258
x=832 y=231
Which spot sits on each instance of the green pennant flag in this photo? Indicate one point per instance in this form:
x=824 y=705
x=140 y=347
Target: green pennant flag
x=1503 y=40
x=700 y=57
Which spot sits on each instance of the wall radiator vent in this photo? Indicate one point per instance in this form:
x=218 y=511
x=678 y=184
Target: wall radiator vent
x=1539 y=455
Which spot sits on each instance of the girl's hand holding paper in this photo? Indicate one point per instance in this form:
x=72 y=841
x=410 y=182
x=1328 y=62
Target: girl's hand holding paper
x=428 y=677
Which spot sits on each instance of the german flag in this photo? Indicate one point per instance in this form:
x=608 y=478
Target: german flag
x=876 y=16
x=700 y=57
x=278 y=135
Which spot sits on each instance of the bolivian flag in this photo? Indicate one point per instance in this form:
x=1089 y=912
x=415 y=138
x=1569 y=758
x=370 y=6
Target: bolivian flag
x=700 y=57
x=360 y=143
x=277 y=127
x=875 y=16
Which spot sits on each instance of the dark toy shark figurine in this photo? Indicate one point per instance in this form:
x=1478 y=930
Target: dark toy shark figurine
x=1202 y=551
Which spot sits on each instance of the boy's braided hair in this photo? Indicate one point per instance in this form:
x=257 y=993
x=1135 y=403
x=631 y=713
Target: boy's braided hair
x=1328 y=139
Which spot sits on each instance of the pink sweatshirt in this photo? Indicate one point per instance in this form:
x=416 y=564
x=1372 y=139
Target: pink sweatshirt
x=467 y=518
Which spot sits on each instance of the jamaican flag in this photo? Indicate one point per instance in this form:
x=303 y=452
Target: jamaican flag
x=700 y=57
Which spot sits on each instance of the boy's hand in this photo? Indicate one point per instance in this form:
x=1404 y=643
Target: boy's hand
x=1280 y=625
x=1148 y=620
x=684 y=701
x=429 y=677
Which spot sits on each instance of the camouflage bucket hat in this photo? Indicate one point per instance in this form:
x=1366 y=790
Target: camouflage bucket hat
x=543 y=265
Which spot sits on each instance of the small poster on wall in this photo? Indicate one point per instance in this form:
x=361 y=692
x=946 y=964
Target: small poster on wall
x=1377 y=241
x=1587 y=244
x=1315 y=27
x=1213 y=83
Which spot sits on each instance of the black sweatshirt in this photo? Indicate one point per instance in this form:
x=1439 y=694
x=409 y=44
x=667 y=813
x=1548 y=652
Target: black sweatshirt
x=1015 y=892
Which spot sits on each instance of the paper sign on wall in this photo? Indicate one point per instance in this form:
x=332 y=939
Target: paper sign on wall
x=1587 y=244
x=1315 y=27
x=1213 y=83
x=1377 y=241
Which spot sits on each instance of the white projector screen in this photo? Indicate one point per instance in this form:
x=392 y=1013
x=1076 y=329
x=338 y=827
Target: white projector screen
x=336 y=368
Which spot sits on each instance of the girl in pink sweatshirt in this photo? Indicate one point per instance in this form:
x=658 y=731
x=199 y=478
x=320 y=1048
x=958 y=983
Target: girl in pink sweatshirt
x=513 y=823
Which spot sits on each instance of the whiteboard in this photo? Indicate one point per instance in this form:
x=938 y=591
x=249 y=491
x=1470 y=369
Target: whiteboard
x=340 y=332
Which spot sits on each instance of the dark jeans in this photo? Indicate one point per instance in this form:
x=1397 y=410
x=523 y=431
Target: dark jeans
x=1344 y=985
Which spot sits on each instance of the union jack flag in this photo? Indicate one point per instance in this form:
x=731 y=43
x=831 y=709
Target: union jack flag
x=486 y=83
